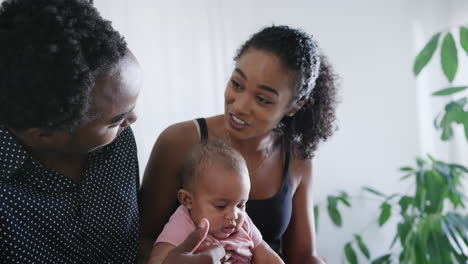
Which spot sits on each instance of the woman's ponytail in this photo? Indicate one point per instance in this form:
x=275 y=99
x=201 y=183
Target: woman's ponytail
x=315 y=121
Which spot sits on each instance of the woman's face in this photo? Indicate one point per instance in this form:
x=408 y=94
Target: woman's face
x=258 y=95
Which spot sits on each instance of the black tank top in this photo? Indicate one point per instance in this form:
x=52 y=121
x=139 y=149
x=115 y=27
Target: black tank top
x=272 y=215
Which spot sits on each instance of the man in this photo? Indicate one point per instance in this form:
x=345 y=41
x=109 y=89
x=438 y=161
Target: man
x=68 y=163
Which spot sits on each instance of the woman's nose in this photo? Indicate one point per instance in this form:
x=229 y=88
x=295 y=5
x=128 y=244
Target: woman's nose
x=241 y=105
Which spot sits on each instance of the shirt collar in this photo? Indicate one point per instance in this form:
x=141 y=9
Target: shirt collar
x=13 y=155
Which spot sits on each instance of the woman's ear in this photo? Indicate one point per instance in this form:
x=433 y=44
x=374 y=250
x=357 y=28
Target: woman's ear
x=185 y=198
x=296 y=107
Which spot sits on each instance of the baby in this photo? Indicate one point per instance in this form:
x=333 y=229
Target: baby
x=216 y=186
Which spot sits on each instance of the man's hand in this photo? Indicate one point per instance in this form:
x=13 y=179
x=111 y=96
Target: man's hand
x=183 y=254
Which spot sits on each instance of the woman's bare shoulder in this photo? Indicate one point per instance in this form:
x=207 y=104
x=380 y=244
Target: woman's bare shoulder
x=300 y=170
x=179 y=134
x=172 y=146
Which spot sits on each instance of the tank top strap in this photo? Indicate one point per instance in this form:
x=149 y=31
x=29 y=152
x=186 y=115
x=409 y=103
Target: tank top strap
x=286 y=167
x=203 y=129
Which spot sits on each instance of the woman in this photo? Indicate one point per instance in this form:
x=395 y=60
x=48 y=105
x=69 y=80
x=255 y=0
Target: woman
x=279 y=104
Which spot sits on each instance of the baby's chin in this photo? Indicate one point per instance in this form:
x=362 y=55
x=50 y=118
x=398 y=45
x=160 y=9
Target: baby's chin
x=222 y=235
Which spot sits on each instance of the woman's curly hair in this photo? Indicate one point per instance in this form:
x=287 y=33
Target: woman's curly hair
x=315 y=82
x=51 y=52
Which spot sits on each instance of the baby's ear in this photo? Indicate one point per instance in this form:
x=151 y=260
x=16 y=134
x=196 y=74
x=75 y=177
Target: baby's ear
x=185 y=198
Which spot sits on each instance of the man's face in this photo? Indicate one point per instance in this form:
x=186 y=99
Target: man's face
x=113 y=101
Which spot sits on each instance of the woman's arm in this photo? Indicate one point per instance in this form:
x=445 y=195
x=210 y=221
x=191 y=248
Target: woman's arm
x=299 y=239
x=263 y=254
x=161 y=181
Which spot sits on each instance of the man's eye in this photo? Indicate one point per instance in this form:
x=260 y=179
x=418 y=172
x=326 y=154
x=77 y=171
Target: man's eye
x=220 y=207
x=235 y=84
x=116 y=124
x=241 y=206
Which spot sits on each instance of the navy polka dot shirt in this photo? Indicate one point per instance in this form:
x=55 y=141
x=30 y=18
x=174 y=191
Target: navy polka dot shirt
x=47 y=218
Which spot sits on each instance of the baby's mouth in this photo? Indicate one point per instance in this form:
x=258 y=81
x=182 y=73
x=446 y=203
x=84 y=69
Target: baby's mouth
x=229 y=229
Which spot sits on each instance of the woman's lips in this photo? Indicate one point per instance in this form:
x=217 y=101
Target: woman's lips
x=237 y=123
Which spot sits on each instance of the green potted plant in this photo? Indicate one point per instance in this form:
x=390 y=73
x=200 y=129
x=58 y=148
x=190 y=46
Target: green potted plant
x=432 y=223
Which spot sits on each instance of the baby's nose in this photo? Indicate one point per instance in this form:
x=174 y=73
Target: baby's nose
x=232 y=214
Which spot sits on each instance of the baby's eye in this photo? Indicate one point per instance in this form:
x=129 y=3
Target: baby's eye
x=220 y=207
x=241 y=206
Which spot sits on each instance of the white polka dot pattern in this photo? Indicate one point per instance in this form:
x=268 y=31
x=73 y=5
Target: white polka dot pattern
x=47 y=218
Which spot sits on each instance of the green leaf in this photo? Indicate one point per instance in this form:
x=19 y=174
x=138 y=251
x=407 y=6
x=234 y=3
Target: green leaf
x=404 y=202
x=385 y=214
x=362 y=246
x=420 y=162
x=350 y=254
x=452 y=237
x=449 y=91
x=436 y=190
x=373 y=191
x=443 y=169
x=420 y=198
x=431 y=158
x=437 y=244
x=425 y=54
x=385 y=259
x=448 y=57
x=335 y=216
x=394 y=240
x=316 y=216
x=422 y=236
x=333 y=212
x=406 y=169
x=464 y=38
x=460 y=167
x=344 y=200
x=403 y=229
x=454 y=113
x=332 y=201
x=466 y=129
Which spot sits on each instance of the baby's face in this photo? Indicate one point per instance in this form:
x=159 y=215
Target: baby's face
x=220 y=196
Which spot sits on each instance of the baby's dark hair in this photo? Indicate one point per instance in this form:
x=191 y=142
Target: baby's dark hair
x=314 y=81
x=206 y=154
x=51 y=52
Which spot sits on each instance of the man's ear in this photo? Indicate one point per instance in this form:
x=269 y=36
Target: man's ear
x=41 y=137
x=185 y=198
